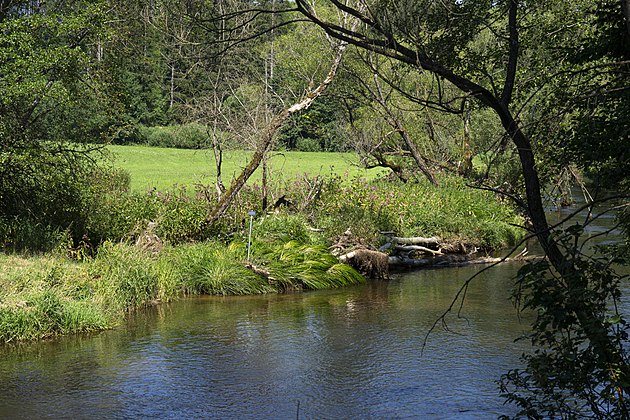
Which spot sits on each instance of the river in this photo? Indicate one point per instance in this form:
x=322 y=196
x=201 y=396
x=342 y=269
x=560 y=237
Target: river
x=348 y=353
x=355 y=352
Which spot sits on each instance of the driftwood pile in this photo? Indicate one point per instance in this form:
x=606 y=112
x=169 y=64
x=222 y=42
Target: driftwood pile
x=148 y=240
x=414 y=252
x=430 y=252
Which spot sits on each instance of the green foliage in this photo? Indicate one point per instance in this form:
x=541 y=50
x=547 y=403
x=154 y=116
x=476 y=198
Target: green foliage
x=180 y=217
x=452 y=211
x=283 y=228
x=421 y=23
x=126 y=277
x=314 y=130
x=48 y=200
x=578 y=115
x=50 y=104
x=578 y=367
x=45 y=315
x=187 y=136
x=42 y=63
x=44 y=297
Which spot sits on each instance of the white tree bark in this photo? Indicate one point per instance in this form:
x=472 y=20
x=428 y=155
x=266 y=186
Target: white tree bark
x=266 y=141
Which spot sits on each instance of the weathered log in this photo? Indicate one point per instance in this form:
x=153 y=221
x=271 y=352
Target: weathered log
x=418 y=248
x=397 y=261
x=417 y=240
x=148 y=240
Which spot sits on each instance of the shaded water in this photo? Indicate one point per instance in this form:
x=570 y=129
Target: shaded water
x=349 y=353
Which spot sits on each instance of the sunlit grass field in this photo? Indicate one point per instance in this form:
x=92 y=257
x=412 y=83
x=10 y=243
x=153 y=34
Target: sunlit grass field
x=161 y=168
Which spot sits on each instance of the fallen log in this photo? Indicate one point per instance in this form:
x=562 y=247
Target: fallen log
x=417 y=240
x=418 y=248
x=399 y=261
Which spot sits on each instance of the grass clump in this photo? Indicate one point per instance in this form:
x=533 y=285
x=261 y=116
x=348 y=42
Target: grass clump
x=41 y=297
x=48 y=296
x=295 y=265
x=215 y=269
x=124 y=277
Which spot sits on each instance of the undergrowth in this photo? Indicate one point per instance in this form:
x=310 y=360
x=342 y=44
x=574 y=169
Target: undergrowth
x=107 y=275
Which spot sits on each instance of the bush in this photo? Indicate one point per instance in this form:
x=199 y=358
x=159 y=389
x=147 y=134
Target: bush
x=50 y=197
x=187 y=136
x=452 y=211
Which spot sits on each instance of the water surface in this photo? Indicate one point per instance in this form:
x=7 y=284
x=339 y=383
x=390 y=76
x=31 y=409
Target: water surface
x=349 y=353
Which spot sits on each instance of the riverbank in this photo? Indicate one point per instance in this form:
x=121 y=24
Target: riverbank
x=163 y=252
x=53 y=295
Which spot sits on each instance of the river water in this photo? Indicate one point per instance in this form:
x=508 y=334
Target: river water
x=350 y=353
x=356 y=352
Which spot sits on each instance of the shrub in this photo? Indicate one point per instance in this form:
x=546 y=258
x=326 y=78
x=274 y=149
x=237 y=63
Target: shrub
x=49 y=200
x=187 y=136
x=452 y=211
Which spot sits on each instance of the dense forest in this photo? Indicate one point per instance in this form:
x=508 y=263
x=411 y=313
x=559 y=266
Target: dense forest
x=524 y=99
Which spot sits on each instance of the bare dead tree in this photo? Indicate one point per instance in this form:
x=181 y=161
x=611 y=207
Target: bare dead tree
x=266 y=140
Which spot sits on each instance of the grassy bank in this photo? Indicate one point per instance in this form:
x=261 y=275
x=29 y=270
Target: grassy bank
x=90 y=277
x=52 y=295
x=161 y=168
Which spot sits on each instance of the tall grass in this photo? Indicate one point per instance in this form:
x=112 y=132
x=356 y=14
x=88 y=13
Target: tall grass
x=452 y=211
x=43 y=297
x=216 y=269
x=49 y=296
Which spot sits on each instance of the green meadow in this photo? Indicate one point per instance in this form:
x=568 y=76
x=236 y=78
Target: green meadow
x=162 y=168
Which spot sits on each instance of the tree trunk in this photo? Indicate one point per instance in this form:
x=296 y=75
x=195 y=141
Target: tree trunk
x=266 y=141
x=265 y=190
x=218 y=160
x=466 y=167
x=625 y=5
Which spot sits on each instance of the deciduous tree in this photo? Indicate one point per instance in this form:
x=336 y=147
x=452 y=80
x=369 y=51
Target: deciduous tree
x=441 y=38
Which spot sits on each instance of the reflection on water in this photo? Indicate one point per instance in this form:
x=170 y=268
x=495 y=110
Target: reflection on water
x=350 y=353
